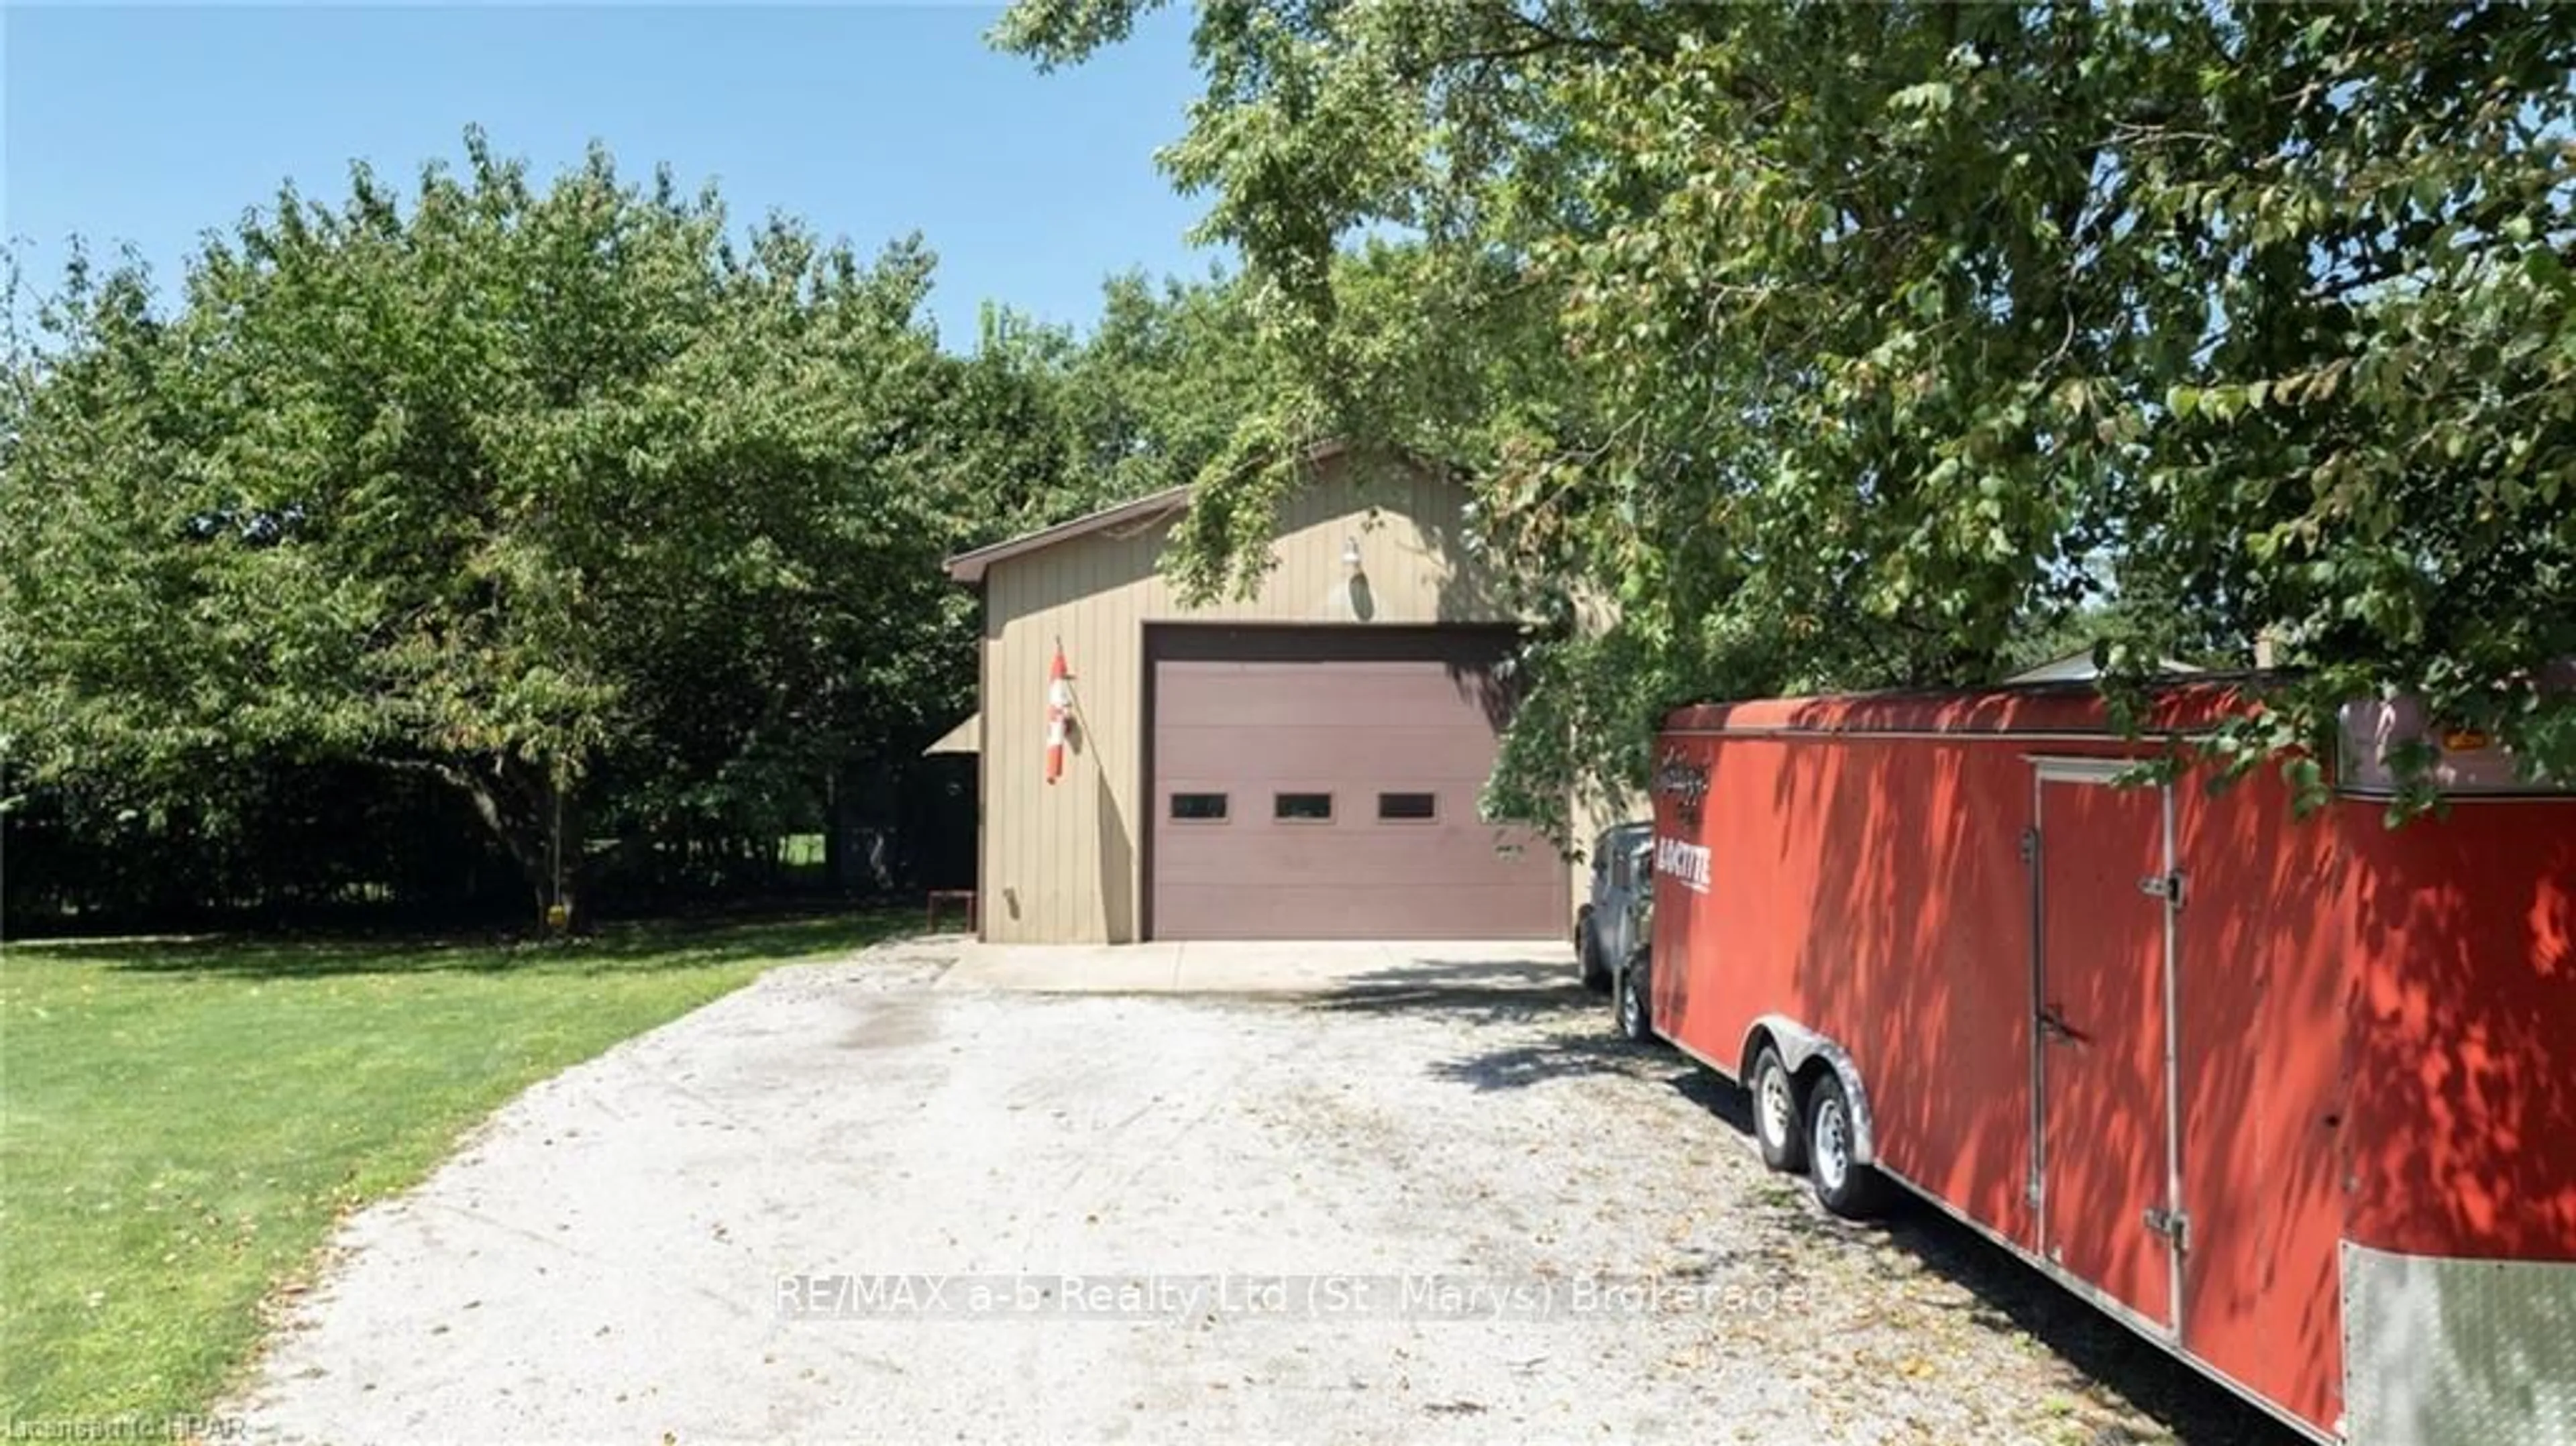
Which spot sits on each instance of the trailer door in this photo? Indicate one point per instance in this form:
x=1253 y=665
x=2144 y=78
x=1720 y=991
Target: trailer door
x=2106 y=1168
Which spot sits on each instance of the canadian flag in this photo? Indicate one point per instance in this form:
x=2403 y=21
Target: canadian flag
x=1059 y=713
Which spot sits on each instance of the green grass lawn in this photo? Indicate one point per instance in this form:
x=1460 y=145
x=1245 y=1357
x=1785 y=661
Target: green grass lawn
x=182 y=1122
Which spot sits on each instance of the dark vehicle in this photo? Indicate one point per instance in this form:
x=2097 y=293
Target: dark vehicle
x=1605 y=929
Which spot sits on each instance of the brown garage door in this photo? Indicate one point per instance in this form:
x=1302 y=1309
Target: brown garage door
x=1320 y=783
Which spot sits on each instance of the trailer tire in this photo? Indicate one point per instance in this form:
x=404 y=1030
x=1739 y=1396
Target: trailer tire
x=1778 y=1126
x=1844 y=1186
x=1633 y=1004
x=1587 y=950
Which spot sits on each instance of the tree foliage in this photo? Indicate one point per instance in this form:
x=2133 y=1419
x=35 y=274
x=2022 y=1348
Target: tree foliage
x=518 y=487
x=1049 y=423
x=1847 y=345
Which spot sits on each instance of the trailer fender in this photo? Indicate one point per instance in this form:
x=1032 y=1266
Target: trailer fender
x=1798 y=1045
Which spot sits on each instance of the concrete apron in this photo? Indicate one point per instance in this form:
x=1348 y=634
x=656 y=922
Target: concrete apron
x=1333 y=966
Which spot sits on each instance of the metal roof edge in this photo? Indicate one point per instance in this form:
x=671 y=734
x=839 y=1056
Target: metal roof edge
x=968 y=567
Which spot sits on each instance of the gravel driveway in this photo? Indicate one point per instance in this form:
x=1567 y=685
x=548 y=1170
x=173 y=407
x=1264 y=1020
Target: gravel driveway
x=1445 y=1204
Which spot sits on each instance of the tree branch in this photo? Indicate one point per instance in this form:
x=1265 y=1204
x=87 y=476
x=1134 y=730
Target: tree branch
x=486 y=803
x=1542 y=38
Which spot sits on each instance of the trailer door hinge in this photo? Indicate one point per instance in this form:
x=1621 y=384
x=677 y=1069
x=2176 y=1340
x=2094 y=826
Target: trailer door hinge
x=2029 y=844
x=2167 y=887
x=2174 y=1225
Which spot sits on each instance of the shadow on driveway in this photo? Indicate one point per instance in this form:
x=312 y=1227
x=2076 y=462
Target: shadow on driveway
x=1996 y=1289
x=1540 y=991
x=1489 y=989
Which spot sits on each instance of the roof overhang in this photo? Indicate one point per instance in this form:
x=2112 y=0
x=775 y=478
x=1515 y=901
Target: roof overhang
x=966 y=737
x=969 y=567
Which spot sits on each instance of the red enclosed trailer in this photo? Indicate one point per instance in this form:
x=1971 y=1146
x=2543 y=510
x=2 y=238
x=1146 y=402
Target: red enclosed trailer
x=2295 y=1099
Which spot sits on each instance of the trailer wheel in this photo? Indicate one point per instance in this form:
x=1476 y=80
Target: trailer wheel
x=1636 y=1016
x=1776 y=1126
x=1844 y=1185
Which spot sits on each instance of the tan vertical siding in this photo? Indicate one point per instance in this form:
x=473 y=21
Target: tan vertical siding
x=1063 y=863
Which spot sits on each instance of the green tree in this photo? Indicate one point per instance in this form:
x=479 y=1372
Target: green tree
x=1860 y=333
x=1045 y=423
x=524 y=488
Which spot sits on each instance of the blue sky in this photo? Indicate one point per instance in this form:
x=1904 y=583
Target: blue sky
x=150 y=125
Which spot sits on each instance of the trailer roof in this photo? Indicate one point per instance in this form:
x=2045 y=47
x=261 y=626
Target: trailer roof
x=2177 y=705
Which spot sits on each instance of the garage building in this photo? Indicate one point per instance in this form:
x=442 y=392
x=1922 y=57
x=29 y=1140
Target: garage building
x=1303 y=764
